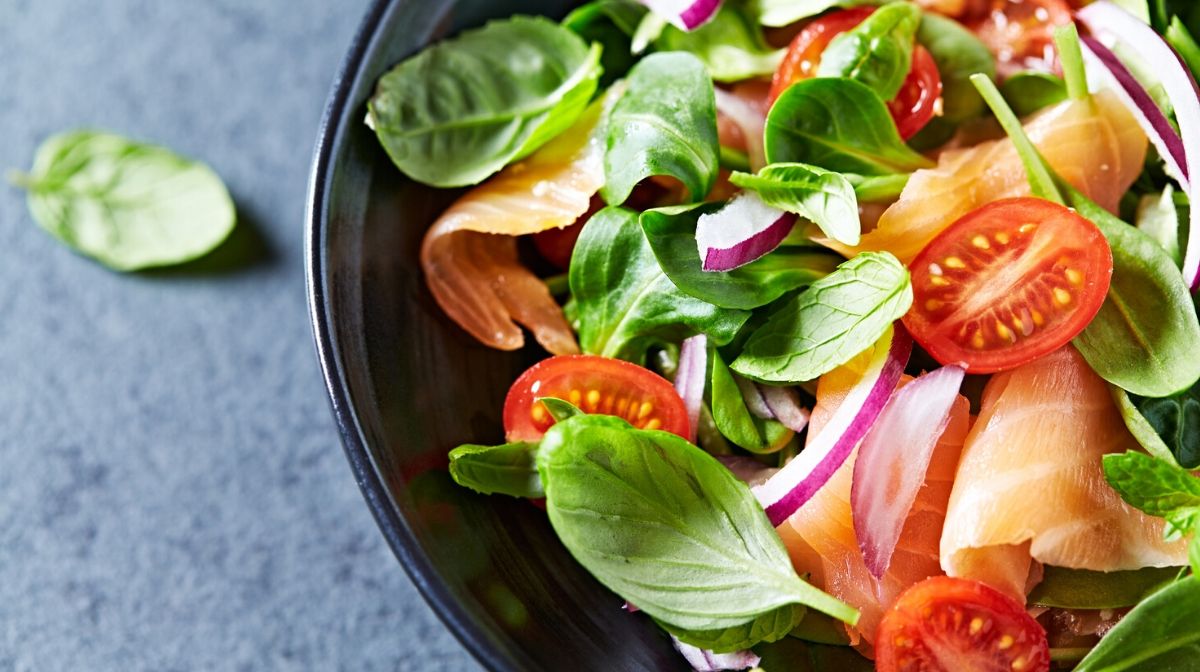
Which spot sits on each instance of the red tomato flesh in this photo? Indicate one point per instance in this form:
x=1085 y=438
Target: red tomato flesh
x=955 y=625
x=596 y=385
x=1008 y=283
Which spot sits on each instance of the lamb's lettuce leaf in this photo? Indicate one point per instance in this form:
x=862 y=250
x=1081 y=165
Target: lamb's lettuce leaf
x=731 y=45
x=876 y=52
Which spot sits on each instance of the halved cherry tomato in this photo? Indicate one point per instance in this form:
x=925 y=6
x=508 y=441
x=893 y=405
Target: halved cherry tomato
x=1008 y=283
x=1020 y=33
x=957 y=625
x=596 y=385
x=912 y=108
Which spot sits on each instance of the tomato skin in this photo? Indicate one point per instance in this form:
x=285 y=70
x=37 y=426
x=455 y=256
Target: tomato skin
x=945 y=624
x=596 y=385
x=1020 y=33
x=912 y=108
x=1007 y=283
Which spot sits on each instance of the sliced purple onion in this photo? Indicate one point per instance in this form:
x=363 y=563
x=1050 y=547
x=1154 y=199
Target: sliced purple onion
x=686 y=15
x=796 y=483
x=893 y=460
x=630 y=607
x=690 y=378
x=1107 y=21
x=750 y=120
x=784 y=404
x=707 y=661
x=744 y=230
x=753 y=396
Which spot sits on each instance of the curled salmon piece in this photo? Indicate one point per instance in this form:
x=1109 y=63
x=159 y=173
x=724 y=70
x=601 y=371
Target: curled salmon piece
x=1030 y=487
x=469 y=255
x=820 y=536
x=1094 y=144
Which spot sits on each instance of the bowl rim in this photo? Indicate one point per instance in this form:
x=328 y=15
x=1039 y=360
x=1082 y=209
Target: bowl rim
x=395 y=529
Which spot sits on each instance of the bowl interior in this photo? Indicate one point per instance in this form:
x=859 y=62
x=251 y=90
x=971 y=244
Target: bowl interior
x=407 y=385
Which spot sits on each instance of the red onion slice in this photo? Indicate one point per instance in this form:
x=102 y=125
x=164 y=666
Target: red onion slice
x=749 y=119
x=784 y=404
x=707 y=661
x=690 y=378
x=796 y=483
x=893 y=460
x=744 y=230
x=687 y=15
x=753 y=396
x=1108 y=21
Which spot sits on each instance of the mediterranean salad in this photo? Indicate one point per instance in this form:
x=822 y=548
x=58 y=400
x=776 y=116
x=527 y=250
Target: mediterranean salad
x=870 y=330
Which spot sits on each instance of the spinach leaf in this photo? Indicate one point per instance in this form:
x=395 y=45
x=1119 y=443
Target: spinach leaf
x=509 y=469
x=611 y=24
x=1156 y=487
x=1176 y=421
x=821 y=196
x=671 y=233
x=624 y=303
x=1159 y=634
x=838 y=317
x=876 y=52
x=735 y=421
x=1158 y=218
x=667 y=527
x=878 y=188
x=664 y=124
x=837 y=124
x=778 y=13
x=958 y=54
x=462 y=109
x=1084 y=589
x=731 y=45
x=1028 y=92
x=1137 y=425
x=126 y=204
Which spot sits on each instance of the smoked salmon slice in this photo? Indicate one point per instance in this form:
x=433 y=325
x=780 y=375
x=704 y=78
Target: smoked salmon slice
x=820 y=536
x=1030 y=487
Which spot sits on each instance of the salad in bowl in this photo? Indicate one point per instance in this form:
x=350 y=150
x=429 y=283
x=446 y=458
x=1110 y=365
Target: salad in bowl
x=869 y=327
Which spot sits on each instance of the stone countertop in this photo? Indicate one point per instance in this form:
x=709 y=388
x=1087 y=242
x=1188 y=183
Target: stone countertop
x=173 y=494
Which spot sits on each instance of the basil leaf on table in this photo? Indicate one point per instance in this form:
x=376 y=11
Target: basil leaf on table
x=958 y=54
x=735 y=421
x=1028 y=92
x=731 y=45
x=671 y=233
x=464 y=108
x=840 y=125
x=1139 y=427
x=624 y=303
x=876 y=52
x=1157 y=488
x=509 y=469
x=821 y=196
x=611 y=24
x=824 y=327
x=1159 y=634
x=126 y=204
x=1085 y=589
x=664 y=124
x=668 y=528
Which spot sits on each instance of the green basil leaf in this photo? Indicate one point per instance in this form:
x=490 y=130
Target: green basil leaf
x=793 y=655
x=735 y=421
x=840 y=125
x=560 y=409
x=1156 y=487
x=1194 y=554
x=611 y=24
x=1159 y=634
x=958 y=54
x=664 y=124
x=667 y=527
x=778 y=13
x=828 y=324
x=126 y=204
x=1176 y=421
x=1142 y=430
x=1028 y=92
x=877 y=188
x=624 y=303
x=1158 y=218
x=731 y=45
x=765 y=628
x=821 y=629
x=509 y=469
x=462 y=109
x=820 y=196
x=1084 y=589
x=672 y=235
x=876 y=52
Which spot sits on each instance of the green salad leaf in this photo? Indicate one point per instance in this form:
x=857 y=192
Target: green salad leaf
x=734 y=420
x=731 y=45
x=509 y=469
x=1175 y=420
x=671 y=232
x=840 y=125
x=820 y=196
x=126 y=204
x=462 y=109
x=1159 y=634
x=828 y=324
x=1158 y=218
x=778 y=13
x=794 y=655
x=876 y=52
x=1139 y=427
x=1156 y=487
x=958 y=54
x=624 y=303
x=1179 y=37
x=1028 y=92
x=611 y=24
x=668 y=528
x=821 y=629
x=1085 y=589
x=664 y=124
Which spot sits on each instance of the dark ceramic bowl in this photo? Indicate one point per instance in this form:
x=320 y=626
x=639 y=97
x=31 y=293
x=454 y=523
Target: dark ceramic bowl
x=407 y=385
